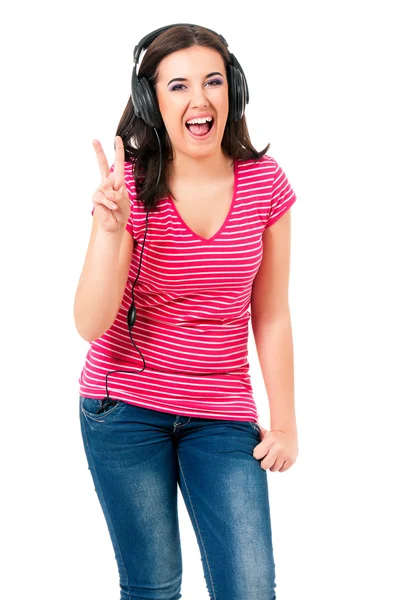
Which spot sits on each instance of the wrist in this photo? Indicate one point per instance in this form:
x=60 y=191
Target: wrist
x=290 y=428
x=116 y=234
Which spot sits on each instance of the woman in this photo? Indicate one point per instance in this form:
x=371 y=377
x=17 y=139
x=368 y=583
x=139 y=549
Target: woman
x=185 y=414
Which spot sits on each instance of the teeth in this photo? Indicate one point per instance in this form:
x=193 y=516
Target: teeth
x=202 y=120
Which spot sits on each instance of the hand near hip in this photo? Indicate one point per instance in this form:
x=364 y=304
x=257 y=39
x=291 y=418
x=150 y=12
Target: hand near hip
x=277 y=450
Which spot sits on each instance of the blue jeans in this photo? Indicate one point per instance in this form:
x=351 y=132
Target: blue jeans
x=138 y=456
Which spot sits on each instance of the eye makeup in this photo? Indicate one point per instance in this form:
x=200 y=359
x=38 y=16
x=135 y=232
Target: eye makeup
x=213 y=81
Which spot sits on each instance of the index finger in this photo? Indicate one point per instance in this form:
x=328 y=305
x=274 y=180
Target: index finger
x=119 y=163
x=103 y=163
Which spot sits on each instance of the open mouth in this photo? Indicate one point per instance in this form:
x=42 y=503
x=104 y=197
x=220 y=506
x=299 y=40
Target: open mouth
x=199 y=130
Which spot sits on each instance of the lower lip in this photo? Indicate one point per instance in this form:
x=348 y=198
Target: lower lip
x=201 y=137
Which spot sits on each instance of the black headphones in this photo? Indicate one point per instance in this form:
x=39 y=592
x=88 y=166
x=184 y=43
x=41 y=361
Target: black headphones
x=146 y=107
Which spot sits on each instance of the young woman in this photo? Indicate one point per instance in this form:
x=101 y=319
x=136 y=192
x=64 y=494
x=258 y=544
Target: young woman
x=191 y=227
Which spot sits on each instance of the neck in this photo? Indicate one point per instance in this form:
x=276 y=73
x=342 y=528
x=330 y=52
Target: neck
x=208 y=168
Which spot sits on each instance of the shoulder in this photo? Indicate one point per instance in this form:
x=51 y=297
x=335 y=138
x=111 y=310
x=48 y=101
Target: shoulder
x=260 y=172
x=265 y=171
x=264 y=165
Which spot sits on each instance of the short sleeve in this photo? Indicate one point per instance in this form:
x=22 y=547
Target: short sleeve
x=282 y=196
x=129 y=183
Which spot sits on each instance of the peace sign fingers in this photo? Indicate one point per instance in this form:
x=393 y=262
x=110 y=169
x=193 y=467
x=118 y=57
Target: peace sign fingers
x=102 y=161
x=119 y=163
x=111 y=198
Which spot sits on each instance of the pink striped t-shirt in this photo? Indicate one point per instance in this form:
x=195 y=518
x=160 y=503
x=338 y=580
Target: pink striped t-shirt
x=192 y=299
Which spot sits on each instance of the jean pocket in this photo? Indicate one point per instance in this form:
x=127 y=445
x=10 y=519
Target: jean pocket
x=98 y=409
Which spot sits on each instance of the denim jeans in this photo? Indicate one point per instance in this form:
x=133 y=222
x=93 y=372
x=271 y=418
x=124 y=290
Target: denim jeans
x=138 y=456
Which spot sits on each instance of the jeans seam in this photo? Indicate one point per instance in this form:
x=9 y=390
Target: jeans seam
x=103 y=499
x=84 y=429
x=197 y=524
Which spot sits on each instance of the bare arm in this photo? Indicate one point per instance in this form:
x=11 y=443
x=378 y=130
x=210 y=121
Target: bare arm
x=271 y=324
x=102 y=281
x=106 y=266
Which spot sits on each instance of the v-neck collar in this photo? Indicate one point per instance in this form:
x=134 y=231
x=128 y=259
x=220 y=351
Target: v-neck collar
x=227 y=218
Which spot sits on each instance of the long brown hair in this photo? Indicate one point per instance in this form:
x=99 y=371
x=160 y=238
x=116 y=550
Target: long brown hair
x=140 y=141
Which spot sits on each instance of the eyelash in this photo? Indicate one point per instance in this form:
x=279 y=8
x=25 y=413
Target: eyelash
x=180 y=84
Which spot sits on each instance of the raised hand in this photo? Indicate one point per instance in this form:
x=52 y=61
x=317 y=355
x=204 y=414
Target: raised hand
x=111 y=199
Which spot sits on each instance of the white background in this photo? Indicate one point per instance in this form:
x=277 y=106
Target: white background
x=322 y=81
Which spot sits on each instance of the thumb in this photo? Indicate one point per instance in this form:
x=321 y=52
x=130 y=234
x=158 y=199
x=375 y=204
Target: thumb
x=262 y=431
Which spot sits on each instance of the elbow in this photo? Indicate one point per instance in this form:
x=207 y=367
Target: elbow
x=88 y=334
x=85 y=328
x=85 y=335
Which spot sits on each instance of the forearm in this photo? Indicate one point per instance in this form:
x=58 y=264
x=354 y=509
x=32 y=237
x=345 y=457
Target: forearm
x=274 y=343
x=97 y=296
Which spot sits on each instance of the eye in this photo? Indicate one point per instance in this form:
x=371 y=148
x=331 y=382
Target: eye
x=179 y=85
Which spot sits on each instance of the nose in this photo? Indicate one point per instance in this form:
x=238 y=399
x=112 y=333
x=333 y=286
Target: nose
x=199 y=97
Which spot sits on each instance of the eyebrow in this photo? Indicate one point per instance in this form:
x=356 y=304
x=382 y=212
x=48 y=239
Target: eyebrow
x=185 y=79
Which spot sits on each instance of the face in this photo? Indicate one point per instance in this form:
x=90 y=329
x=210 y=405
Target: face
x=204 y=91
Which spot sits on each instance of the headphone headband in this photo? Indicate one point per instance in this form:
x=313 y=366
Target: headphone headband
x=148 y=39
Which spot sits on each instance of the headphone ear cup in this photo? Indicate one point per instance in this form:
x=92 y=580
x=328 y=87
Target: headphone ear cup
x=231 y=94
x=237 y=93
x=152 y=113
x=145 y=102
